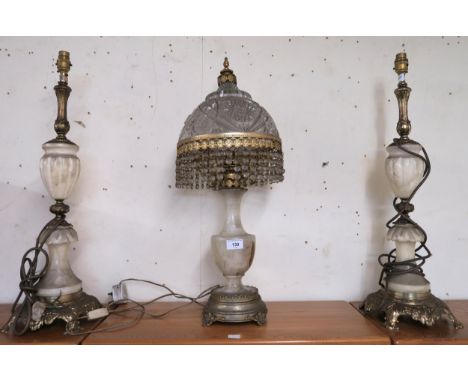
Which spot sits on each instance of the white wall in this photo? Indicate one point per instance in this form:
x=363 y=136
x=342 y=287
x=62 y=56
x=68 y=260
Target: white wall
x=318 y=233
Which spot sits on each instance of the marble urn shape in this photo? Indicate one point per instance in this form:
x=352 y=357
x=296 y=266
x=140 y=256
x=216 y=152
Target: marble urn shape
x=404 y=171
x=60 y=168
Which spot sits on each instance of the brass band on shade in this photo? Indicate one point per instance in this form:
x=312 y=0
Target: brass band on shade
x=228 y=140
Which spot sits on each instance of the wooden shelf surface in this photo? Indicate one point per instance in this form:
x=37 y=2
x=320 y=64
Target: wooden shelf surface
x=47 y=335
x=414 y=333
x=311 y=322
x=304 y=322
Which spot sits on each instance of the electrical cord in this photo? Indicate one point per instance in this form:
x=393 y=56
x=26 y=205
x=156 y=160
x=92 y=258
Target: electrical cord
x=21 y=313
x=140 y=307
x=388 y=260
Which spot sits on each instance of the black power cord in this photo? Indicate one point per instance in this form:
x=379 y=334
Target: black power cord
x=388 y=260
x=21 y=312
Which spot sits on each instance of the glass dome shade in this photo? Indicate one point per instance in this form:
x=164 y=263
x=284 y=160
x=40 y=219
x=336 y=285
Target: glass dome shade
x=229 y=141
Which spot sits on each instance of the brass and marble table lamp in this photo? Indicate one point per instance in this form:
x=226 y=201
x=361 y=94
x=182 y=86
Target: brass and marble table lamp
x=404 y=289
x=228 y=144
x=55 y=292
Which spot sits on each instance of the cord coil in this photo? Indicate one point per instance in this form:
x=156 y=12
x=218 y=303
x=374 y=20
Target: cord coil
x=140 y=307
x=388 y=260
x=22 y=312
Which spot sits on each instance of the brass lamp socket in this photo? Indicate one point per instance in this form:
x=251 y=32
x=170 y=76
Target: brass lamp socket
x=401 y=63
x=63 y=61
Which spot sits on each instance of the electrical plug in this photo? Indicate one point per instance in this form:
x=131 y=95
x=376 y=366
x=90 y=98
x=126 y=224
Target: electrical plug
x=119 y=293
x=97 y=313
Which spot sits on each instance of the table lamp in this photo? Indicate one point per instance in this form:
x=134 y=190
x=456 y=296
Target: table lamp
x=55 y=292
x=404 y=289
x=228 y=144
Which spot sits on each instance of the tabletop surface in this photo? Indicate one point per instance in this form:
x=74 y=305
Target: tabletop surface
x=304 y=322
x=442 y=332
x=47 y=335
x=311 y=322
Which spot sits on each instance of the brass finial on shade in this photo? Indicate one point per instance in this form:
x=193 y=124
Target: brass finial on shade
x=401 y=63
x=226 y=75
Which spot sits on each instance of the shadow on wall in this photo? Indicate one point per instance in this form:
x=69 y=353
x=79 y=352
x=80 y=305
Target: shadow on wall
x=379 y=197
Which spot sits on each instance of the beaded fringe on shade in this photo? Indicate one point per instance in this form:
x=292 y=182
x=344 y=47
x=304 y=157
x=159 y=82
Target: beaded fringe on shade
x=229 y=162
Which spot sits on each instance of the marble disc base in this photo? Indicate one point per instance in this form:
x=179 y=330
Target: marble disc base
x=234 y=307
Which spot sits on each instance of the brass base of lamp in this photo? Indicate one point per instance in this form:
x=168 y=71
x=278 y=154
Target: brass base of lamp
x=425 y=308
x=243 y=306
x=71 y=312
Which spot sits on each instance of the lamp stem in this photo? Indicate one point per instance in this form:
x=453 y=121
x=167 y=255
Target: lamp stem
x=232 y=201
x=62 y=91
x=232 y=228
x=402 y=94
x=233 y=247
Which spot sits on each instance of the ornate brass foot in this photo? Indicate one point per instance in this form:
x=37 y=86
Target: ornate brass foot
x=243 y=306
x=425 y=308
x=70 y=312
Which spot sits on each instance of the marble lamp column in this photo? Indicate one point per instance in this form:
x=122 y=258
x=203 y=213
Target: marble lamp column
x=405 y=290
x=60 y=168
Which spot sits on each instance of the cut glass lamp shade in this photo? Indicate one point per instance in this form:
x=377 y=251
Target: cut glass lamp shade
x=229 y=141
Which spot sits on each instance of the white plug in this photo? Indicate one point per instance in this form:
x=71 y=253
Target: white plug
x=119 y=293
x=97 y=313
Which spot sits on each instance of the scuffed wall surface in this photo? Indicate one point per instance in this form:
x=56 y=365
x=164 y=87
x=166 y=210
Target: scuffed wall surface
x=318 y=233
